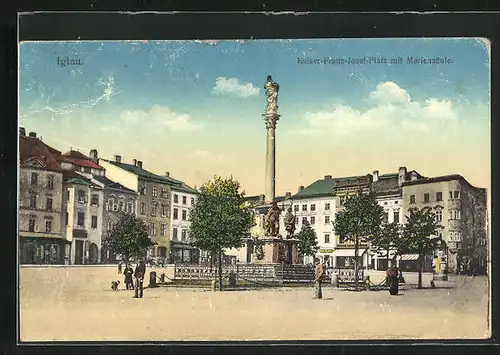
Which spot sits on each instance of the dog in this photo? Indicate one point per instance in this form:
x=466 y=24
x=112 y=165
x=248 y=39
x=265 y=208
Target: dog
x=114 y=285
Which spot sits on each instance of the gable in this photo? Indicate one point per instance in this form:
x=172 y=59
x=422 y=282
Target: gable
x=34 y=162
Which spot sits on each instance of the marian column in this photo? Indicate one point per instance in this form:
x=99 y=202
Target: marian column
x=271 y=117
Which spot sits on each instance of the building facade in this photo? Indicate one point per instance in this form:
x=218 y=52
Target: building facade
x=42 y=238
x=183 y=199
x=154 y=201
x=461 y=209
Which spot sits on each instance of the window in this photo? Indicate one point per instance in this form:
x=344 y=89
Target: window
x=385 y=202
x=395 y=216
x=327 y=238
x=163 y=211
x=296 y=221
x=176 y=199
x=184 y=234
x=115 y=206
x=386 y=217
x=66 y=218
x=31 y=226
x=313 y=207
x=296 y=208
x=86 y=170
x=174 y=233
x=48 y=226
x=81 y=219
x=154 y=207
x=143 y=208
x=327 y=219
x=455 y=214
x=81 y=196
x=130 y=207
x=304 y=207
x=155 y=191
x=142 y=190
x=33 y=201
x=34 y=179
x=95 y=200
x=396 y=202
x=439 y=196
x=327 y=206
x=304 y=220
x=412 y=198
x=152 y=229
x=456 y=194
x=49 y=204
x=426 y=197
x=184 y=200
x=122 y=206
x=109 y=205
x=110 y=225
x=163 y=230
x=192 y=201
x=439 y=216
x=313 y=220
x=67 y=194
x=50 y=182
x=176 y=213
x=451 y=194
x=93 y=222
x=184 y=215
x=163 y=192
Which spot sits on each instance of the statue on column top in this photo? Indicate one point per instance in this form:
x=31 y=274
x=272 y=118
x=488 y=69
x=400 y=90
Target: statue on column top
x=272 y=89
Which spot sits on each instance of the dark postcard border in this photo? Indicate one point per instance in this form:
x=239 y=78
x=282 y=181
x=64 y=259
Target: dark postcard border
x=101 y=26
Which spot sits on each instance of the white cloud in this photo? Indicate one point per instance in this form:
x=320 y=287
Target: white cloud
x=233 y=87
x=159 y=118
x=390 y=92
x=392 y=107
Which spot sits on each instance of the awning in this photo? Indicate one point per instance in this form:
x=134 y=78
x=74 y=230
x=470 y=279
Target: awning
x=348 y=252
x=406 y=257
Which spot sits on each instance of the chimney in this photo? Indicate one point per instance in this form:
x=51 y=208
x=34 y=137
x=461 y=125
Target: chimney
x=135 y=162
x=301 y=188
x=118 y=158
x=22 y=131
x=375 y=175
x=402 y=175
x=327 y=177
x=167 y=174
x=139 y=164
x=33 y=134
x=288 y=194
x=93 y=155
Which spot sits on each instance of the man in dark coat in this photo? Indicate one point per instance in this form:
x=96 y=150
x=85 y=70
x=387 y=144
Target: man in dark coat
x=140 y=272
x=128 y=272
x=392 y=279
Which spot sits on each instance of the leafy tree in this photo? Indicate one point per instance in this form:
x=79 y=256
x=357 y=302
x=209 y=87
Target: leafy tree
x=419 y=235
x=220 y=219
x=388 y=238
x=358 y=221
x=307 y=242
x=128 y=237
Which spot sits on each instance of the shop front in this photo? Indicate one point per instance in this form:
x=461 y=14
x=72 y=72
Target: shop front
x=184 y=253
x=44 y=250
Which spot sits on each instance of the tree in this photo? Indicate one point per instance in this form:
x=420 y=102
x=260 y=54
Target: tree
x=128 y=237
x=358 y=221
x=220 y=218
x=388 y=238
x=307 y=243
x=419 y=235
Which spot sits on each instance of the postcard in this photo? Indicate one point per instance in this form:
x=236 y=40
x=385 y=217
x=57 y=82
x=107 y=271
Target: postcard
x=254 y=190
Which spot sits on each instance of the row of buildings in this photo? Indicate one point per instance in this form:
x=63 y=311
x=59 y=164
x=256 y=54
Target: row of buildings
x=461 y=210
x=69 y=201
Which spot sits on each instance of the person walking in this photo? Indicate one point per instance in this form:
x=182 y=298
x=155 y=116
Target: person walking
x=318 y=275
x=392 y=279
x=140 y=271
x=129 y=282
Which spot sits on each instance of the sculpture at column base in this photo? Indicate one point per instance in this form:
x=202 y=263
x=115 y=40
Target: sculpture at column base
x=275 y=251
x=272 y=221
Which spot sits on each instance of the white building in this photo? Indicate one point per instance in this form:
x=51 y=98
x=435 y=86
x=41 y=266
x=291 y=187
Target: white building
x=183 y=199
x=317 y=205
x=389 y=195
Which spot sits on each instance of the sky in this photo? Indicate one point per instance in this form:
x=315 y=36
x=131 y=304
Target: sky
x=194 y=108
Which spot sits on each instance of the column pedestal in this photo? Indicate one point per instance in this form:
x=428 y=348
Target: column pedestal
x=269 y=250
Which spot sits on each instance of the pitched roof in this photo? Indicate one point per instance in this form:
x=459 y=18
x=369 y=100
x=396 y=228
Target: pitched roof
x=144 y=173
x=112 y=184
x=80 y=159
x=439 y=179
x=72 y=177
x=30 y=147
x=387 y=186
x=184 y=188
x=319 y=188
